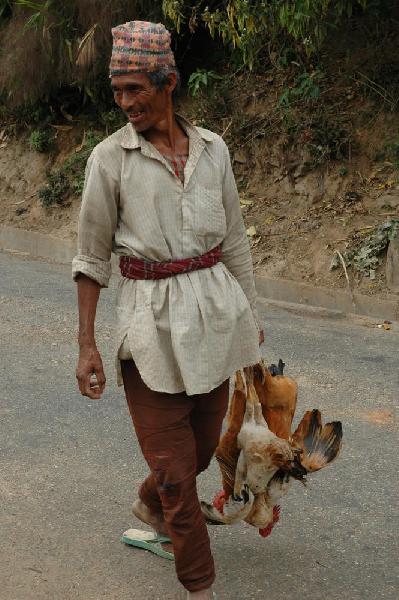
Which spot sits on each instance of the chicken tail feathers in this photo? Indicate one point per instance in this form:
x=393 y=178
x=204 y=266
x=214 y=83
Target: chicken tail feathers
x=318 y=445
x=297 y=469
x=277 y=369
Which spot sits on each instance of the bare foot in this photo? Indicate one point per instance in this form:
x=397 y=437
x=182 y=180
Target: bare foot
x=155 y=520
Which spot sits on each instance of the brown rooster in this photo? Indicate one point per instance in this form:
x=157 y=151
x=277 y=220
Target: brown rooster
x=258 y=456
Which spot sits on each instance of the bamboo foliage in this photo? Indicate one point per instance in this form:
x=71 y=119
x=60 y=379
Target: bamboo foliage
x=70 y=41
x=247 y=26
x=86 y=52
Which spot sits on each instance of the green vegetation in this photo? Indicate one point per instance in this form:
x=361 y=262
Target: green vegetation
x=56 y=190
x=71 y=40
x=390 y=152
x=69 y=178
x=112 y=119
x=5 y=8
x=75 y=165
x=250 y=26
x=305 y=88
x=202 y=80
x=42 y=140
x=289 y=44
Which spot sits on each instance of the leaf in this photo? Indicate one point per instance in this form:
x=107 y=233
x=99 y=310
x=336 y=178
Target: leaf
x=86 y=38
x=240 y=157
x=29 y=4
x=68 y=44
x=66 y=115
x=269 y=220
x=251 y=231
x=62 y=127
x=82 y=143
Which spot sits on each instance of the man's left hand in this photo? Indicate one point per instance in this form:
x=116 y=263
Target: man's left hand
x=261 y=337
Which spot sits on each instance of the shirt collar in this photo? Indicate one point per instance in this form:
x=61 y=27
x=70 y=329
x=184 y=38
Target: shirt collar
x=131 y=139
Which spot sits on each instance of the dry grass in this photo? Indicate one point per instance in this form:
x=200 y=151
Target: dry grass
x=18 y=80
x=35 y=61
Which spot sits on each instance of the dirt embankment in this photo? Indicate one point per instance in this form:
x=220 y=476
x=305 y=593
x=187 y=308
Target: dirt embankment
x=297 y=214
x=22 y=174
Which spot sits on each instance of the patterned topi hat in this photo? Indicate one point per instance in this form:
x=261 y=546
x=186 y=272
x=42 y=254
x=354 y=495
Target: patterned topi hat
x=140 y=46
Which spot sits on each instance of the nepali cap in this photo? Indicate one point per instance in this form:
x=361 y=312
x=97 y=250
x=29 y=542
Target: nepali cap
x=140 y=46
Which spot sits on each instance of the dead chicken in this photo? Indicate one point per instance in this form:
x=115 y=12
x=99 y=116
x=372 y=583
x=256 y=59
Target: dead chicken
x=258 y=456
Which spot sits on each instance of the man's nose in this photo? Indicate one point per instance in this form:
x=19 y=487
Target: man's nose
x=126 y=101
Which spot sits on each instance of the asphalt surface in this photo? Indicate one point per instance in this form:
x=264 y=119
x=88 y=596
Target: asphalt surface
x=70 y=467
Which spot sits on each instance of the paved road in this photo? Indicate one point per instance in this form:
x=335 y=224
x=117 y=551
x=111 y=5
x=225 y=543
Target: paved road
x=70 y=467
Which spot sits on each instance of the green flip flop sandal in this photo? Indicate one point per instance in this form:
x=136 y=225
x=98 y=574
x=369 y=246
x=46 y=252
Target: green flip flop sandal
x=147 y=540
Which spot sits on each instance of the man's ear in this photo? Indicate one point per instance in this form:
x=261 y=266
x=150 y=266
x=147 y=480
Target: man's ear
x=172 y=81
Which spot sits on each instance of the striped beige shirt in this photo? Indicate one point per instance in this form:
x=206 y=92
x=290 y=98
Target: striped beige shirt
x=191 y=331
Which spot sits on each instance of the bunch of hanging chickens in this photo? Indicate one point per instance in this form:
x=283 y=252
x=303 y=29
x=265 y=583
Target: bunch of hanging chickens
x=258 y=454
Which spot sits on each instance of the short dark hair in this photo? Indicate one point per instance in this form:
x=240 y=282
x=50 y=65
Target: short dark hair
x=160 y=79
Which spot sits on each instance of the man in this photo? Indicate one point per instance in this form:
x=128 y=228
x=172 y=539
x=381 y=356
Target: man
x=161 y=194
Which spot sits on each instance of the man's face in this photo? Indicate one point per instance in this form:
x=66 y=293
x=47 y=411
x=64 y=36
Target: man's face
x=144 y=105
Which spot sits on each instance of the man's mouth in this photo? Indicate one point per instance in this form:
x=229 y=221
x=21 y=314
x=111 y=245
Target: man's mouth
x=135 y=116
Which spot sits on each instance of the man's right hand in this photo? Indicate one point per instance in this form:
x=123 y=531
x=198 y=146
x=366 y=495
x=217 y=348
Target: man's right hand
x=89 y=365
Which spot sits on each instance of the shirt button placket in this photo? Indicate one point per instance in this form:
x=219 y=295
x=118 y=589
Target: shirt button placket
x=185 y=223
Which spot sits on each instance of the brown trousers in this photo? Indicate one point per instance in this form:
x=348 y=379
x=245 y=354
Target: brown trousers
x=178 y=435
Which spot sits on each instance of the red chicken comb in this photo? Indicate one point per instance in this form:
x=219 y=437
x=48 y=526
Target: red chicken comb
x=219 y=500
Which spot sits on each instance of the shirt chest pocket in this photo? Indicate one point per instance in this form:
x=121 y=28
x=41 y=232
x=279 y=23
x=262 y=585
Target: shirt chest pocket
x=209 y=217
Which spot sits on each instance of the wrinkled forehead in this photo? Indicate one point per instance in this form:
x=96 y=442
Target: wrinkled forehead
x=130 y=79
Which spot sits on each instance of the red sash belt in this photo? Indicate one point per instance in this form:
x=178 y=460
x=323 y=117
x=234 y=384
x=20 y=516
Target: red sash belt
x=135 y=268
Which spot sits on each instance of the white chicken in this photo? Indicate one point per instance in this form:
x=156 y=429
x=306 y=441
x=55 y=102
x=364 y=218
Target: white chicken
x=257 y=465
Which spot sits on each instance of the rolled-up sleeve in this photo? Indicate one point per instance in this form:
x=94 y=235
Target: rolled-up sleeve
x=236 y=253
x=97 y=222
